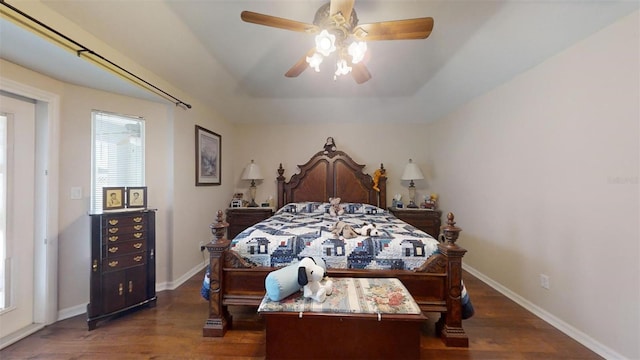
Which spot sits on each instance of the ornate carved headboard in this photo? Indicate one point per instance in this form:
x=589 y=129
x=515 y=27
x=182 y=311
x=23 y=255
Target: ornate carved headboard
x=332 y=173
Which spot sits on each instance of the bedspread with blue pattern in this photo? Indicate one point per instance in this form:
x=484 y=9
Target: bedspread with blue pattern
x=304 y=229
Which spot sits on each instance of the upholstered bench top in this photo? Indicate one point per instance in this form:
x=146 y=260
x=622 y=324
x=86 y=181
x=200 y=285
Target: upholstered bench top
x=351 y=295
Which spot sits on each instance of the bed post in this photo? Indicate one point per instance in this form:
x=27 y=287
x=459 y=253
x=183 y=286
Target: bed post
x=219 y=319
x=280 y=186
x=452 y=332
x=382 y=185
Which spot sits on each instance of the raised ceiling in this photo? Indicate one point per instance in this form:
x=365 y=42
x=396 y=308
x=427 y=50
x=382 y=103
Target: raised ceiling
x=204 y=49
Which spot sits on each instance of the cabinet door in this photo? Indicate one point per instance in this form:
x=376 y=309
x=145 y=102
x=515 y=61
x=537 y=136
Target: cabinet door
x=136 y=285
x=113 y=291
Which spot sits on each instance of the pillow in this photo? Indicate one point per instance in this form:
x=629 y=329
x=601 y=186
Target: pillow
x=360 y=208
x=282 y=282
x=305 y=207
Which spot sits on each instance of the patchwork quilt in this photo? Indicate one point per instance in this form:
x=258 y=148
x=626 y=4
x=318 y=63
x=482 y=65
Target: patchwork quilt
x=304 y=229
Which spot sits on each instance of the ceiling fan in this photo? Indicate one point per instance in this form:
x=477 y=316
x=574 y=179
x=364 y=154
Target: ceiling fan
x=337 y=30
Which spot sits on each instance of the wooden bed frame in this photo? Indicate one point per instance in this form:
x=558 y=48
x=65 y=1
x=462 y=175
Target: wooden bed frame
x=436 y=285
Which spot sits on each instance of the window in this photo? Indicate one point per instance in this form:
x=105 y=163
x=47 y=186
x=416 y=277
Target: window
x=117 y=157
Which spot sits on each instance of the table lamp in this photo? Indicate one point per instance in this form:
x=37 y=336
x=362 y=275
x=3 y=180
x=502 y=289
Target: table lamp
x=412 y=172
x=252 y=172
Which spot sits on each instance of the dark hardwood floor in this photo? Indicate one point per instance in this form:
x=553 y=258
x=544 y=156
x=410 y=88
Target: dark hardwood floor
x=500 y=329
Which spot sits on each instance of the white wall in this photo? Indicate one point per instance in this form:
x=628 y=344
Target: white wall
x=543 y=175
x=75 y=159
x=371 y=144
x=183 y=218
x=195 y=207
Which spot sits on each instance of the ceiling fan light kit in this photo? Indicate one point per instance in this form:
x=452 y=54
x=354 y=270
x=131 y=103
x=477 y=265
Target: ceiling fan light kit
x=337 y=29
x=325 y=43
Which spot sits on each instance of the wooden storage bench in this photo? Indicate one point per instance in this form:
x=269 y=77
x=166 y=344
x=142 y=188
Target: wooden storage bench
x=363 y=318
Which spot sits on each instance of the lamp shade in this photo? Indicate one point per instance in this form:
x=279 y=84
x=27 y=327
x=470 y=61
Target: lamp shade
x=412 y=172
x=252 y=172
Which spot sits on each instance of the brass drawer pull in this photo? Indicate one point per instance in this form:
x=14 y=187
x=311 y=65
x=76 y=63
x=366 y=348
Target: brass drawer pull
x=95 y=265
x=137 y=245
x=137 y=219
x=130 y=286
x=120 y=289
x=137 y=235
x=137 y=258
x=113 y=249
x=113 y=263
x=137 y=227
x=113 y=238
x=113 y=221
x=113 y=230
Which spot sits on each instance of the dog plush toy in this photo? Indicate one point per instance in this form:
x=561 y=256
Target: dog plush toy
x=335 y=209
x=343 y=229
x=310 y=277
x=368 y=230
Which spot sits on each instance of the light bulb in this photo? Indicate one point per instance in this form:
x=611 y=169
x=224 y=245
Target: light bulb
x=357 y=50
x=315 y=61
x=342 y=68
x=325 y=43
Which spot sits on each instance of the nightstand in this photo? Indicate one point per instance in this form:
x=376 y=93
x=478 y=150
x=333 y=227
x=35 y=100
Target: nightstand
x=241 y=218
x=426 y=220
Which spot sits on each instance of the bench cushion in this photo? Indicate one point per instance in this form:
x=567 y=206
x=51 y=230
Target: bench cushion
x=352 y=295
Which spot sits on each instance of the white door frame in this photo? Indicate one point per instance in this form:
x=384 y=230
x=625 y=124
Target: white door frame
x=47 y=150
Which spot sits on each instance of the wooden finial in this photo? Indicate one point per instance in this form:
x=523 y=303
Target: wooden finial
x=451 y=231
x=219 y=227
x=280 y=172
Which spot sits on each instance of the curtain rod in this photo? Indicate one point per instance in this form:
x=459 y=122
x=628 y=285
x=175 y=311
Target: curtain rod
x=126 y=74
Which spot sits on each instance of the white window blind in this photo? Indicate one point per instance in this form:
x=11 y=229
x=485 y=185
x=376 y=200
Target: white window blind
x=117 y=153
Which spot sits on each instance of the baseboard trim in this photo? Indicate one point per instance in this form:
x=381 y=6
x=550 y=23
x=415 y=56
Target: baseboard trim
x=551 y=319
x=19 y=335
x=72 y=311
x=172 y=285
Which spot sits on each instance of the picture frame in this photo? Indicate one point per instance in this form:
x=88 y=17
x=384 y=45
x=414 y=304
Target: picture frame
x=208 y=157
x=136 y=197
x=113 y=198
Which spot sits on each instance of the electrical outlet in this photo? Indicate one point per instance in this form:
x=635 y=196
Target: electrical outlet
x=202 y=246
x=544 y=281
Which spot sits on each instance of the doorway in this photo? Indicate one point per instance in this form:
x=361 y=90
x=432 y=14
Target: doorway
x=30 y=256
x=17 y=213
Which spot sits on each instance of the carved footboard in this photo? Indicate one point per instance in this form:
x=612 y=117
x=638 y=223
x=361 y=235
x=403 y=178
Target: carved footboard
x=436 y=286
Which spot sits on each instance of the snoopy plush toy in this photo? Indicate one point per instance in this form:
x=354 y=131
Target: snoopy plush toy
x=310 y=276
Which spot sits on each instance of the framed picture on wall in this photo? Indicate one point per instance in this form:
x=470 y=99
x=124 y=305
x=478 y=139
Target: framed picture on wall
x=208 y=157
x=137 y=197
x=112 y=198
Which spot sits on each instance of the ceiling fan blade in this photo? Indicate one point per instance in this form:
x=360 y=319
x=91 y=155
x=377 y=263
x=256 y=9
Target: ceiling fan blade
x=343 y=6
x=277 y=22
x=300 y=66
x=360 y=73
x=408 y=29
